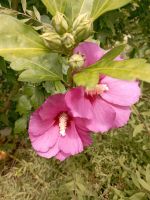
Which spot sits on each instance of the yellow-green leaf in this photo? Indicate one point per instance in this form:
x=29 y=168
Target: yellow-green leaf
x=102 y=6
x=54 y=6
x=18 y=39
x=126 y=69
x=37 y=69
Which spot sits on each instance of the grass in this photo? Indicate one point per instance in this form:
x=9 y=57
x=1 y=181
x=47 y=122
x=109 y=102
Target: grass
x=115 y=167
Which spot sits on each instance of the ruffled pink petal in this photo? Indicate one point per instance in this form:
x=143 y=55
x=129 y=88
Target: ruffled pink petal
x=91 y=51
x=85 y=137
x=83 y=131
x=37 y=126
x=50 y=153
x=103 y=116
x=123 y=93
x=80 y=123
x=71 y=142
x=43 y=142
x=122 y=116
x=52 y=106
x=62 y=156
x=79 y=105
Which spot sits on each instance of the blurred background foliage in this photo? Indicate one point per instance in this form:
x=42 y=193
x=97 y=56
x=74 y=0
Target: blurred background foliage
x=131 y=23
x=116 y=166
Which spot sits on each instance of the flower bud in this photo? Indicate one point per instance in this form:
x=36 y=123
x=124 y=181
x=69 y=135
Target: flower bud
x=59 y=23
x=53 y=40
x=82 y=28
x=76 y=61
x=68 y=40
x=79 y=20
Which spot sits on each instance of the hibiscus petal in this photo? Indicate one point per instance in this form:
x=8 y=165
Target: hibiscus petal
x=43 y=142
x=123 y=93
x=103 y=116
x=85 y=137
x=83 y=131
x=91 y=51
x=79 y=105
x=52 y=106
x=71 y=142
x=62 y=156
x=50 y=153
x=80 y=123
x=37 y=126
x=122 y=116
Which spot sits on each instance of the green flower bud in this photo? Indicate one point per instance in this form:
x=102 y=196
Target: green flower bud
x=68 y=40
x=59 y=23
x=82 y=28
x=76 y=61
x=79 y=20
x=53 y=40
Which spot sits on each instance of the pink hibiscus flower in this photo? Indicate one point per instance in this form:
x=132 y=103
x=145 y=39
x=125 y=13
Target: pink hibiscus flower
x=55 y=132
x=91 y=52
x=109 y=103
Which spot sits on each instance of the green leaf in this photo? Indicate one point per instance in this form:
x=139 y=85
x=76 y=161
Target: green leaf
x=86 y=7
x=42 y=68
x=137 y=196
x=102 y=6
x=54 y=6
x=18 y=39
x=75 y=8
x=111 y=55
x=86 y=79
x=24 y=105
x=94 y=8
x=60 y=88
x=20 y=125
x=126 y=69
x=49 y=87
x=37 y=98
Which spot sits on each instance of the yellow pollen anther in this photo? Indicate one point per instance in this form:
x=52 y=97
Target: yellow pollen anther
x=63 y=119
x=98 y=90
